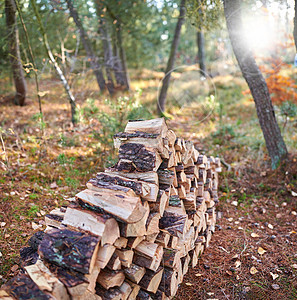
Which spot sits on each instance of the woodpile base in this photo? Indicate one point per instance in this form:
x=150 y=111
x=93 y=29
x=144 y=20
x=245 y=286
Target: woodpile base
x=135 y=230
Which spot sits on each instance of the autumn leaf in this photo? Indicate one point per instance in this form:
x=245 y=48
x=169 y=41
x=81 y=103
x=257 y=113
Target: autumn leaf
x=261 y=251
x=274 y=276
x=253 y=270
x=254 y=235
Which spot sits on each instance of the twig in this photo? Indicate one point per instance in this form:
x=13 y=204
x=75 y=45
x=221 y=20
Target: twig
x=226 y=165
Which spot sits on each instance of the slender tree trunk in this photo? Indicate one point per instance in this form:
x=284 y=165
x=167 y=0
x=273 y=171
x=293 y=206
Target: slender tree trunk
x=201 y=52
x=55 y=64
x=295 y=26
x=122 y=56
x=87 y=45
x=14 y=52
x=107 y=48
x=118 y=69
x=256 y=82
x=170 y=64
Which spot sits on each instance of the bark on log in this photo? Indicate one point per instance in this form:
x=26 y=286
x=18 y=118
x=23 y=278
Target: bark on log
x=109 y=279
x=151 y=280
x=69 y=249
x=134 y=273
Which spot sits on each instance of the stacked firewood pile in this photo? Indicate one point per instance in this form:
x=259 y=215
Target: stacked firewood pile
x=134 y=231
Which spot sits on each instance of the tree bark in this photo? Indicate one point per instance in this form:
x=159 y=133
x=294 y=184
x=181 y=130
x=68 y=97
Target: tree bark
x=201 y=52
x=87 y=45
x=295 y=25
x=14 y=49
x=170 y=64
x=274 y=142
x=122 y=56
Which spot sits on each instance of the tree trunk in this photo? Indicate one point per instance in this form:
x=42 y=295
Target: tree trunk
x=55 y=64
x=256 y=82
x=118 y=69
x=201 y=52
x=295 y=25
x=14 y=53
x=87 y=45
x=122 y=55
x=170 y=64
x=107 y=48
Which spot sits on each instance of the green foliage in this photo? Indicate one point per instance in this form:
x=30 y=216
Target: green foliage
x=205 y=14
x=288 y=109
x=33 y=210
x=65 y=161
x=223 y=134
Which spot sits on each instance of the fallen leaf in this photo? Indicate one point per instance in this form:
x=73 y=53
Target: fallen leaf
x=254 y=235
x=294 y=213
x=275 y=286
x=229 y=272
x=198 y=274
x=274 y=276
x=14 y=268
x=53 y=185
x=210 y=294
x=237 y=264
x=235 y=256
x=235 y=203
x=253 y=270
x=294 y=266
x=1 y=254
x=188 y=284
x=2 y=224
x=42 y=212
x=270 y=226
x=294 y=194
x=6 y=236
x=261 y=251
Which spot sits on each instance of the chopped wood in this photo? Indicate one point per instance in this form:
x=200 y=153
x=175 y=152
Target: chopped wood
x=171 y=257
x=169 y=283
x=152 y=223
x=134 y=273
x=135 y=290
x=96 y=223
x=46 y=281
x=166 y=176
x=114 y=263
x=70 y=249
x=125 y=290
x=121 y=242
x=128 y=209
x=151 y=280
x=143 y=295
x=108 y=278
x=104 y=254
x=144 y=158
x=125 y=256
x=163 y=238
x=134 y=241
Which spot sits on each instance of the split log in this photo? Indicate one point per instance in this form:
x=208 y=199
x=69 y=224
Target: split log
x=192 y=170
x=139 y=187
x=125 y=290
x=169 y=283
x=151 y=280
x=109 y=279
x=22 y=287
x=151 y=238
x=163 y=238
x=134 y=273
x=96 y=223
x=55 y=217
x=121 y=242
x=125 y=166
x=46 y=281
x=145 y=159
x=125 y=256
x=137 y=228
x=134 y=241
x=171 y=257
x=150 y=177
x=128 y=209
x=5 y=296
x=69 y=249
x=92 y=279
x=152 y=223
x=182 y=192
x=135 y=290
x=185 y=263
x=75 y=282
x=166 y=176
x=114 y=263
x=148 y=262
x=104 y=255
x=161 y=203
x=202 y=160
x=154 y=126
x=111 y=294
x=171 y=136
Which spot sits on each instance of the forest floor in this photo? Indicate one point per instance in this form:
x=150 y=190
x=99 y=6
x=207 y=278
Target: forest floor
x=253 y=253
